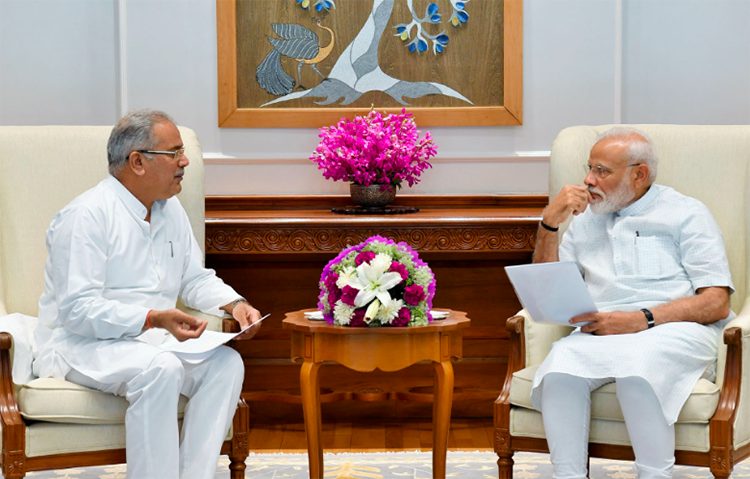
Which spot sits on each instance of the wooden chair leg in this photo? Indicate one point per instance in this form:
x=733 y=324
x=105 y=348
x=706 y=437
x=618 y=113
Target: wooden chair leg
x=239 y=451
x=504 y=454
x=14 y=465
x=721 y=465
x=505 y=467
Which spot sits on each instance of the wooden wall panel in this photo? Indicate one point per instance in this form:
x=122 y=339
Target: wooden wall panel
x=467 y=241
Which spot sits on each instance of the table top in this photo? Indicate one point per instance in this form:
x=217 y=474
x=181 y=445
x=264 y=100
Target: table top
x=296 y=321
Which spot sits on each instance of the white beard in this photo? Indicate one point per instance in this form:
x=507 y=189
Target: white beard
x=617 y=200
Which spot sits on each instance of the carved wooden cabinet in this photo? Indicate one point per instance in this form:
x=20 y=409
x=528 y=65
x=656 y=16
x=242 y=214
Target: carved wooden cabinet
x=272 y=249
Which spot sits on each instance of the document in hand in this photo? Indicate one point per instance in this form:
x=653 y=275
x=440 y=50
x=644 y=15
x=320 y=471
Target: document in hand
x=552 y=293
x=201 y=347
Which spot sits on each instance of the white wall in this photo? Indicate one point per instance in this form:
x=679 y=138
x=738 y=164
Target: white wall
x=585 y=62
x=56 y=63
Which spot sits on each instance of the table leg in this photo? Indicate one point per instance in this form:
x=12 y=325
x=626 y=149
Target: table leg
x=441 y=415
x=310 y=387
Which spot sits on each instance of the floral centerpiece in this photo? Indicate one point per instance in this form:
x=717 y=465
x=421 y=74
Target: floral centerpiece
x=375 y=149
x=377 y=283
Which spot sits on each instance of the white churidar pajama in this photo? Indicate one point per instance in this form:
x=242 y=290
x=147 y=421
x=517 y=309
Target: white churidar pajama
x=567 y=428
x=107 y=267
x=662 y=247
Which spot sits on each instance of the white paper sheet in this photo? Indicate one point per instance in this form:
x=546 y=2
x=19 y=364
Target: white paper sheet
x=552 y=293
x=202 y=346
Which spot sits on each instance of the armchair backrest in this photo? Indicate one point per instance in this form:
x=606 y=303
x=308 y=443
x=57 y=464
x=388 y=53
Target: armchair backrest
x=709 y=163
x=41 y=170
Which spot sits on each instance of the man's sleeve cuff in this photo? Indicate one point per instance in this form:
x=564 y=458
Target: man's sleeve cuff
x=714 y=282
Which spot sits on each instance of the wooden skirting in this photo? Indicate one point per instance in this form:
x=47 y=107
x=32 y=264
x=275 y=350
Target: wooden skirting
x=272 y=249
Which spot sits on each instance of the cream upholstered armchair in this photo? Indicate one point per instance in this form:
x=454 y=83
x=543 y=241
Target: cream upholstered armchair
x=713 y=430
x=48 y=423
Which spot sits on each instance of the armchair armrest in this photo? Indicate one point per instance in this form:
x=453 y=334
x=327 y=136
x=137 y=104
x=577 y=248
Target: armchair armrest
x=516 y=362
x=538 y=338
x=13 y=427
x=215 y=323
x=516 y=356
x=730 y=424
x=530 y=343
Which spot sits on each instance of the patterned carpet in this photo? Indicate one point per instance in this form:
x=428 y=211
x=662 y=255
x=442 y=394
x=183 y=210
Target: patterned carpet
x=399 y=465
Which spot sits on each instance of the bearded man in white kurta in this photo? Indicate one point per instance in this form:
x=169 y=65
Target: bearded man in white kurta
x=654 y=262
x=120 y=255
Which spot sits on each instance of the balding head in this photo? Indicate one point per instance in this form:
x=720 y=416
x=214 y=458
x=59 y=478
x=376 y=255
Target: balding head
x=639 y=147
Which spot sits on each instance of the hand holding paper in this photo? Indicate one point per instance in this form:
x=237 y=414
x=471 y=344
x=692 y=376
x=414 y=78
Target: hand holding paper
x=614 y=322
x=206 y=343
x=552 y=293
x=250 y=331
x=245 y=314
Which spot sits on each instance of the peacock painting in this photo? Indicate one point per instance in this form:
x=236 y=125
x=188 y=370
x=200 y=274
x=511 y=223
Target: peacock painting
x=357 y=70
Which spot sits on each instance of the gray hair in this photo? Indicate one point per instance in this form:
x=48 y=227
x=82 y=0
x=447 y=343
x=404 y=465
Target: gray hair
x=640 y=147
x=134 y=131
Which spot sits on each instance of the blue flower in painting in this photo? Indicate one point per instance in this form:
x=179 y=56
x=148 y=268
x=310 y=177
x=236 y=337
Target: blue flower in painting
x=419 y=42
x=318 y=6
x=321 y=4
x=459 y=16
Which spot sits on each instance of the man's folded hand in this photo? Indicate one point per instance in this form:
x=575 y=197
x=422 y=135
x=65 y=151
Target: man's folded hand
x=180 y=324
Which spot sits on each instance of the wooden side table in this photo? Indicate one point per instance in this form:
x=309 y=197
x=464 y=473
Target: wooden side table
x=367 y=349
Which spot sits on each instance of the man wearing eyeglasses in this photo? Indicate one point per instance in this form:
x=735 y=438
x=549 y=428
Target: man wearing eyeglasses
x=654 y=262
x=119 y=257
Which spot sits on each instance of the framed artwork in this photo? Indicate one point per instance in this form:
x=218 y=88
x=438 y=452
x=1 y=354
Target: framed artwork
x=308 y=63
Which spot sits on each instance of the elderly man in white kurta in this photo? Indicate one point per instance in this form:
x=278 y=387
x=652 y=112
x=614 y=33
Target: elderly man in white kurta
x=654 y=262
x=120 y=255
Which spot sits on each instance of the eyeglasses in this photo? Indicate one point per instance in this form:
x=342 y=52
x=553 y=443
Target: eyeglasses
x=174 y=154
x=602 y=172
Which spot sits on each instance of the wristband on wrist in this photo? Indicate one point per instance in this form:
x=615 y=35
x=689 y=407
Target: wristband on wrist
x=649 y=318
x=148 y=321
x=548 y=227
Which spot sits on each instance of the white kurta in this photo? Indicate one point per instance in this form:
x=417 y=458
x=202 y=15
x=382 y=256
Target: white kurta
x=107 y=267
x=663 y=247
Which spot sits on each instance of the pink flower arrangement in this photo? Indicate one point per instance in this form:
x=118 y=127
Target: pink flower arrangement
x=374 y=149
x=377 y=283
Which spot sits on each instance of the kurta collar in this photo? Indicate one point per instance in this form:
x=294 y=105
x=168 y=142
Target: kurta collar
x=133 y=203
x=642 y=203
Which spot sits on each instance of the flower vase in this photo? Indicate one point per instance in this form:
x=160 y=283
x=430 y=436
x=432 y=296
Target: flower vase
x=372 y=196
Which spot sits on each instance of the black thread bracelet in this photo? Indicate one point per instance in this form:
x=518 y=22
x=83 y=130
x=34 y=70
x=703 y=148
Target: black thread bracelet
x=548 y=227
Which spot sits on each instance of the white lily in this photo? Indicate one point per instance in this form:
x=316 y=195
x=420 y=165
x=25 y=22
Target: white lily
x=372 y=311
x=373 y=282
